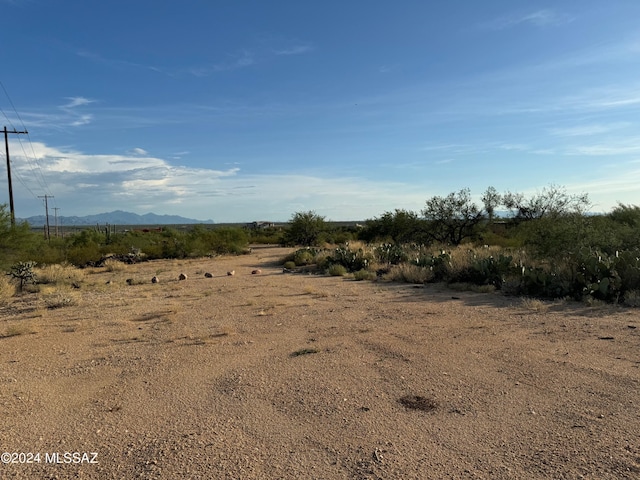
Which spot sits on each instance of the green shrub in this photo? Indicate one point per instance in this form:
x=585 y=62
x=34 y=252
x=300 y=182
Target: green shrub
x=337 y=270
x=364 y=275
x=81 y=255
x=409 y=273
x=305 y=229
x=289 y=265
x=304 y=256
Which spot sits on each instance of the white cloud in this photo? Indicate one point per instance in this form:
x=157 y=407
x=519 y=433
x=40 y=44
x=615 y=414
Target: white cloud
x=138 y=151
x=84 y=183
x=587 y=130
x=604 y=150
x=295 y=50
x=539 y=18
x=77 y=102
x=82 y=120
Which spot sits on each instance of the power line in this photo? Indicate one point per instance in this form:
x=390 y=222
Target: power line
x=37 y=172
x=6 y=144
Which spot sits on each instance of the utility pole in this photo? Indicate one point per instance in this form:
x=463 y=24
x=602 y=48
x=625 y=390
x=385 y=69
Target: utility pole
x=6 y=145
x=56 y=216
x=46 y=207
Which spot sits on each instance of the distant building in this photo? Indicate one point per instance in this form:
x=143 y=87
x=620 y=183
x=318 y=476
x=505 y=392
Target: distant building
x=260 y=225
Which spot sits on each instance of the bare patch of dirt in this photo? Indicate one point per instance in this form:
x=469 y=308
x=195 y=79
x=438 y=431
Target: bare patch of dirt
x=417 y=402
x=294 y=375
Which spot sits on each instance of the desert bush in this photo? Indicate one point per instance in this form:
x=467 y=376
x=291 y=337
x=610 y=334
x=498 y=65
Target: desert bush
x=632 y=298
x=113 y=265
x=305 y=229
x=364 y=275
x=400 y=226
x=289 y=265
x=59 y=274
x=486 y=270
x=534 y=304
x=409 y=273
x=471 y=287
x=323 y=259
x=59 y=298
x=82 y=255
x=304 y=256
x=337 y=270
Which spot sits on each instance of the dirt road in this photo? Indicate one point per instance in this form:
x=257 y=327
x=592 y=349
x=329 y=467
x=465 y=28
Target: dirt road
x=275 y=375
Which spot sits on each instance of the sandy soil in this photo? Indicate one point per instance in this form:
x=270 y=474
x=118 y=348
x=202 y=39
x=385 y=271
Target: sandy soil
x=280 y=375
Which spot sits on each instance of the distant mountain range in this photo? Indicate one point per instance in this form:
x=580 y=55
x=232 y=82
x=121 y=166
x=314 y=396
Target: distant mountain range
x=117 y=217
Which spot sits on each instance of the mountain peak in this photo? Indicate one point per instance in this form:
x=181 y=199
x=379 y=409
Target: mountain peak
x=116 y=217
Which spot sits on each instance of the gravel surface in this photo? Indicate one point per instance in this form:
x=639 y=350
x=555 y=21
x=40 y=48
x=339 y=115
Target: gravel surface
x=284 y=376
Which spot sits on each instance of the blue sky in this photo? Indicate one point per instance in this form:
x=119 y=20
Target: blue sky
x=253 y=110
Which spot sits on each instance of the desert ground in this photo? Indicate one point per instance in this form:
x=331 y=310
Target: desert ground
x=289 y=375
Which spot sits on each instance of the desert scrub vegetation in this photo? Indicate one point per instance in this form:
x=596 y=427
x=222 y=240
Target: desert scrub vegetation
x=23 y=273
x=92 y=246
x=409 y=273
x=546 y=245
x=337 y=270
x=59 y=274
x=16 y=330
x=7 y=290
x=364 y=275
x=58 y=297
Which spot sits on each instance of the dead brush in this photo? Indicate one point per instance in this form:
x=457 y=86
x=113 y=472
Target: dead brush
x=53 y=297
x=60 y=274
x=409 y=273
x=113 y=265
x=534 y=304
x=7 y=290
x=16 y=330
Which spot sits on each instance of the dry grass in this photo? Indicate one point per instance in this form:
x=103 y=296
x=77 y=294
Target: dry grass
x=113 y=265
x=19 y=329
x=59 y=274
x=632 y=298
x=58 y=297
x=7 y=290
x=408 y=273
x=309 y=290
x=337 y=270
x=470 y=287
x=364 y=275
x=534 y=304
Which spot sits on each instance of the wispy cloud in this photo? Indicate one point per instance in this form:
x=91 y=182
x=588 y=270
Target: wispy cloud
x=539 y=18
x=610 y=149
x=294 y=50
x=138 y=151
x=82 y=120
x=587 y=130
x=116 y=63
x=77 y=102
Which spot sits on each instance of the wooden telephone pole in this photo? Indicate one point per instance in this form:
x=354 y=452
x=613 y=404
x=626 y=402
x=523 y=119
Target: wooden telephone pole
x=6 y=145
x=46 y=207
x=56 y=218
